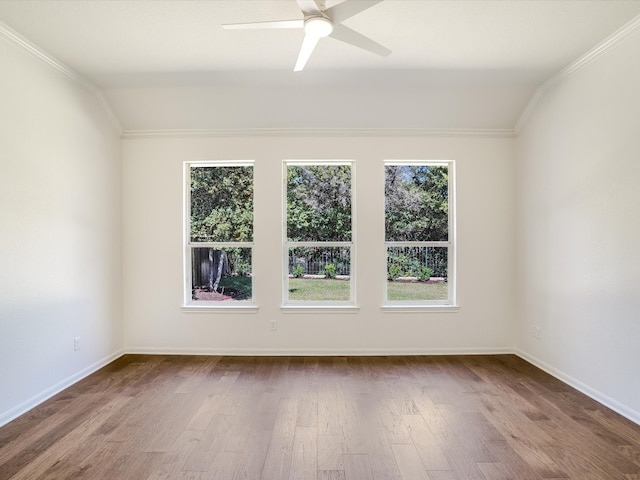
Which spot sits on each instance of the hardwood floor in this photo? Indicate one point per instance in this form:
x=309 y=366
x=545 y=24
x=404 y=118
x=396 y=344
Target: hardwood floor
x=320 y=418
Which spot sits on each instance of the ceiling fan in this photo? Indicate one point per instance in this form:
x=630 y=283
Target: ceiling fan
x=320 y=22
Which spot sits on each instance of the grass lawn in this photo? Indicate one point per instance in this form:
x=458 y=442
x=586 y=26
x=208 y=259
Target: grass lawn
x=398 y=291
x=241 y=285
x=321 y=289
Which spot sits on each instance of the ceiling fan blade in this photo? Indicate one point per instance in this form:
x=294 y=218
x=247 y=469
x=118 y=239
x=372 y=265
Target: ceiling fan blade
x=308 y=45
x=347 y=35
x=309 y=7
x=348 y=9
x=262 y=25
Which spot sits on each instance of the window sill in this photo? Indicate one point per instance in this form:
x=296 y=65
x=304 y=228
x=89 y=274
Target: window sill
x=219 y=309
x=420 y=308
x=319 y=308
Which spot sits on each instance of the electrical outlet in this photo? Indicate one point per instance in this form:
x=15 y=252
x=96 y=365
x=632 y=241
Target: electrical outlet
x=274 y=326
x=76 y=344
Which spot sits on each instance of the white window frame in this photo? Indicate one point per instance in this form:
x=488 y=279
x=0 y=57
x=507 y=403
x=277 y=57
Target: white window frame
x=313 y=305
x=448 y=305
x=190 y=305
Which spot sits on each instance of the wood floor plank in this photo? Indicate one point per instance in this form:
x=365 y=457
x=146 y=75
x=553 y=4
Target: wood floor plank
x=505 y=455
x=222 y=435
x=331 y=413
x=307 y=409
x=252 y=460
x=496 y=471
x=443 y=475
x=331 y=475
x=205 y=412
x=58 y=450
x=304 y=461
x=357 y=467
x=426 y=445
x=236 y=396
x=360 y=416
x=381 y=457
x=269 y=400
x=127 y=465
x=630 y=452
x=392 y=420
x=330 y=452
x=180 y=451
x=409 y=463
x=462 y=462
x=477 y=417
x=595 y=440
x=194 y=375
x=223 y=466
x=277 y=463
x=26 y=440
x=169 y=423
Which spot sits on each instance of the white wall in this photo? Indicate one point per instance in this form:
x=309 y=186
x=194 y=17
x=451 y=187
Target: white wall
x=153 y=274
x=578 y=230
x=60 y=232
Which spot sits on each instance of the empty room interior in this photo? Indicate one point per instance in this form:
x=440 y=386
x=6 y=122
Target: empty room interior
x=335 y=240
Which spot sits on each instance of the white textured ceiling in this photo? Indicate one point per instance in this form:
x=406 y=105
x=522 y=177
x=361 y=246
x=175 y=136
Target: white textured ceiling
x=451 y=46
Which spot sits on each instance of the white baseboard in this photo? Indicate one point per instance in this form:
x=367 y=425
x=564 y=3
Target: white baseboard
x=319 y=351
x=36 y=400
x=596 y=395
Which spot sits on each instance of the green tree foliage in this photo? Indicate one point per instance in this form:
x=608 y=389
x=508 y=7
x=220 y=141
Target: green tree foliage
x=416 y=203
x=319 y=203
x=222 y=204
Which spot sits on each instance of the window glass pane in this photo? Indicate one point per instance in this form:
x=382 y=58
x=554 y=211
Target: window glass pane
x=319 y=273
x=319 y=203
x=221 y=274
x=417 y=273
x=221 y=204
x=416 y=203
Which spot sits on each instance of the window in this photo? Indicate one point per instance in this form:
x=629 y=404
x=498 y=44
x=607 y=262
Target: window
x=319 y=235
x=419 y=233
x=218 y=233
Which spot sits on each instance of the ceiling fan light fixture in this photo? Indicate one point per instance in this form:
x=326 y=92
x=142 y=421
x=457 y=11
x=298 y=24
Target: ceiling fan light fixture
x=318 y=27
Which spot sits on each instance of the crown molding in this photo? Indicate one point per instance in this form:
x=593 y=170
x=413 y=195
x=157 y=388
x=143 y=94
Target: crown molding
x=319 y=132
x=26 y=45
x=29 y=47
x=531 y=107
x=596 y=52
x=115 y=122
x=600 y=49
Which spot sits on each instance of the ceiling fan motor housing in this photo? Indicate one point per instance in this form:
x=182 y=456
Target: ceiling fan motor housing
x=318 y=26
